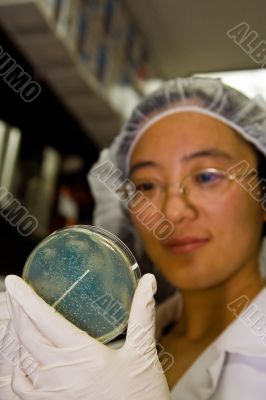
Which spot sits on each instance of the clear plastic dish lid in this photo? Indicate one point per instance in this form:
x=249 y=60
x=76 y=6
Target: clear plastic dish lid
x=88 y=275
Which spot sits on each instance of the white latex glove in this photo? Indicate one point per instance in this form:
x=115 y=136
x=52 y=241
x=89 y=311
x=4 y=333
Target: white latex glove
x=5 y=362
x=10 y=353
x=73 y=365
x=8 y=356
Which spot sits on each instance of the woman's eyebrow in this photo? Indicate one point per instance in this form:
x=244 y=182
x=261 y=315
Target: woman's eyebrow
x=142 y=164
x=207 y=153
x=199 y=154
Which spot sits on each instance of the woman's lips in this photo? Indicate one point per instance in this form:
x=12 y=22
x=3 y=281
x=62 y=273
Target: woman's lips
x=185 y=245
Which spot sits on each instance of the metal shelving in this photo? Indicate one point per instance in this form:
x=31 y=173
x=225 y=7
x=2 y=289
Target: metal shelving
x=34 y=33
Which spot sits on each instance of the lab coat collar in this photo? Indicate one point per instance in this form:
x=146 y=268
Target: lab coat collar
x=213 y=374
x=243 y=336
x=246 y=335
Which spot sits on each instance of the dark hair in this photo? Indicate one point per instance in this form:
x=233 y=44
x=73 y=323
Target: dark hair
x=262 y=175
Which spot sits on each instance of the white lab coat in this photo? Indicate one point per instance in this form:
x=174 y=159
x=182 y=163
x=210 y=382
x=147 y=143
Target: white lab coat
x=233 y=367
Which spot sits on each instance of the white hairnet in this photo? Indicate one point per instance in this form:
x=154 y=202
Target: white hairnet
x=202 y=95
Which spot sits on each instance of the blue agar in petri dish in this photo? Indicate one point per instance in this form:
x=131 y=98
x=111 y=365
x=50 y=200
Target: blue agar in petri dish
x=88 y=275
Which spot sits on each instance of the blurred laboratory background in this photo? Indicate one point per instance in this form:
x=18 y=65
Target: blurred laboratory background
x=92 y=61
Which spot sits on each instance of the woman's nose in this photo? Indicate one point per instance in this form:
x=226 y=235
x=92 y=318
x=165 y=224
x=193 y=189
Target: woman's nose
x=178 y=207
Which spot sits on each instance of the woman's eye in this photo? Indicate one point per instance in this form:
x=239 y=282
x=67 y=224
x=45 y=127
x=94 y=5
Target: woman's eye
x=206 y=177
x=146 y=186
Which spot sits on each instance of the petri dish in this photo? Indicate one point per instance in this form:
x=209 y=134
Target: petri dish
x=88 y=275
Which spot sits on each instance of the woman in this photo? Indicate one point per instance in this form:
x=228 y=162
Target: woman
x=194 y=150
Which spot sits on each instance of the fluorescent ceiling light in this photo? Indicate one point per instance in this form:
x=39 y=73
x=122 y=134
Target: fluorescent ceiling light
x=250 y=82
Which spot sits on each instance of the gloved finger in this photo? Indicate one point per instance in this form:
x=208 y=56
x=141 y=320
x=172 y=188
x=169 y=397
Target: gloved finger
x=3 y=307
x=50 y=323
x=38 y=348
x=141 y=325
x=23 y=387
x=6 y=392
x=30 y=337
x=27 y=363
x=9 y=352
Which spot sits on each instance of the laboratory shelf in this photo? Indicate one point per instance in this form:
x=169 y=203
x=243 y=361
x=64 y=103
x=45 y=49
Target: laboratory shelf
x=57 y=63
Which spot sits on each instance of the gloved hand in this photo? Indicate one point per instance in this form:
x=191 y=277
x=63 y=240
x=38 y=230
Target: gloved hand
x=10 y=353
x=73 y=365
x=7 y=355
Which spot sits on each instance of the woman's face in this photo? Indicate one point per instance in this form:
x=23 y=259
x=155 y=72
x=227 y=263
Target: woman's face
x=224 y=235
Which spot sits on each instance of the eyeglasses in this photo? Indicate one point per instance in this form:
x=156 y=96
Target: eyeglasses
x=204 y=185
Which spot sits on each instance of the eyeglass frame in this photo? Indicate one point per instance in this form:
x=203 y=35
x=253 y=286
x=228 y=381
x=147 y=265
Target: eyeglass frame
x=182 y=189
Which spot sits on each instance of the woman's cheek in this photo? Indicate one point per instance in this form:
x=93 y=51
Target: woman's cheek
x=243 y=215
